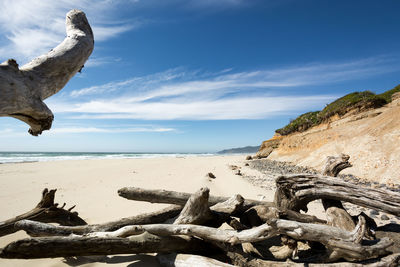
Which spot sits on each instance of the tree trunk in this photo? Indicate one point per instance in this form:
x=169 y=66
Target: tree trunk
x=23 y=89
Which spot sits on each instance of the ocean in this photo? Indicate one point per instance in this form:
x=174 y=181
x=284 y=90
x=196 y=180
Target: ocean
x=15 y=157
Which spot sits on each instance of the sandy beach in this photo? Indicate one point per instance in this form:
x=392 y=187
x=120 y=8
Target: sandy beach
x=92 y=186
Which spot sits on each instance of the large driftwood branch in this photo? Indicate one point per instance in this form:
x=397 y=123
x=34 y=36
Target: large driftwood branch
x=23 y=90
x=45 y=211
x=342 y=244
x=146 y=218
x=51 y=247
x=296 y=191
x=177 y=198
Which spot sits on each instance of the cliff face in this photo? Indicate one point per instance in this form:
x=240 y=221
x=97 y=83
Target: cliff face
x=371 y=138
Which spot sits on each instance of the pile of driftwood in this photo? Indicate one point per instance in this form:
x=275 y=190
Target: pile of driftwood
x=218 y=231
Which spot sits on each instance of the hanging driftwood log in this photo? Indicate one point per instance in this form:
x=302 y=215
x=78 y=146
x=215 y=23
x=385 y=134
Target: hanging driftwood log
x=177 y=198
x=296 y=191
x=23 y=89
x=45 y=211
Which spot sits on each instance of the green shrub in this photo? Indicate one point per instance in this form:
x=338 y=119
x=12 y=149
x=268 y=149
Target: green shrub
x=357 y=100
x=300 y=124
x=388 y=94
x=361 y=100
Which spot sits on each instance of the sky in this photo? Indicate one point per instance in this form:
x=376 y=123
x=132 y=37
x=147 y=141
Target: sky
x=199 y=76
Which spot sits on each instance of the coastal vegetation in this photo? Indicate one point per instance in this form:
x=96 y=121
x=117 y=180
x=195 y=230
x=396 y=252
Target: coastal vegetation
x=360 y=101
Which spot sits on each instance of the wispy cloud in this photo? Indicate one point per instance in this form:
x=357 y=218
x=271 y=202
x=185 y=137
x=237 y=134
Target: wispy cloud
x=71 y=130
x=193 y=95
x=32 y=27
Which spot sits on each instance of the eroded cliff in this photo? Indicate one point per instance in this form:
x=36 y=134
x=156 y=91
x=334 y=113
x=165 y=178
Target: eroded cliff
x=371 y=138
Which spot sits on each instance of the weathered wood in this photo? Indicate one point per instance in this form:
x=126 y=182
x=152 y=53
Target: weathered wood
x=336 y=214
x=23 y=89
x=51 y=247
x=196 y=209
x=146 y=218
x=239 y=259
x=260 y=214
x=297 y=230
x=340 y=243
x=230 y=206
x=45 y=211
x=296 y=191
x=177 y=198
x=334 y=165
x=188 y=260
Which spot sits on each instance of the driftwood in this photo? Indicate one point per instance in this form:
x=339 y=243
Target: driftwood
x=196 y=210
x=51 y=247
x=342 y=244
x=45 y=211
x=294 y=192
x=336 y=214
x=260 y=214
x=23 y=89
x=238 y=259
x=177 y=198
x=146 y=218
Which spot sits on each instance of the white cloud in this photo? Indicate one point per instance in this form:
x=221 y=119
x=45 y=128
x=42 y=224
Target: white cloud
x=32 y=27
x=72 y=130
x=217 y=109
x=192 y=95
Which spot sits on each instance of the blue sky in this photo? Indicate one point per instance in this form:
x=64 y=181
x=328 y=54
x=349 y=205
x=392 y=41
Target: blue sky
x=199 y=76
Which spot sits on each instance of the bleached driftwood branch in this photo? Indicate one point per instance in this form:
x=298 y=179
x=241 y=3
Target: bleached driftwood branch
x=341 y=243
x=296 y=191
x=22 y=90
x=51 y=247
x=45 y=211
x=146 y=218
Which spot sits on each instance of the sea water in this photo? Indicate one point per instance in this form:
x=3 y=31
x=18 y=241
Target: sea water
x=15 y=157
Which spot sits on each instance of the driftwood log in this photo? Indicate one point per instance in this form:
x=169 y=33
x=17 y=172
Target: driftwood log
x=146 y=218
x=23 y=89
x=336 y=214
x=51 y=247
x=295 y=191
x=45 y=211
x=177 y=198
x=342 y=244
